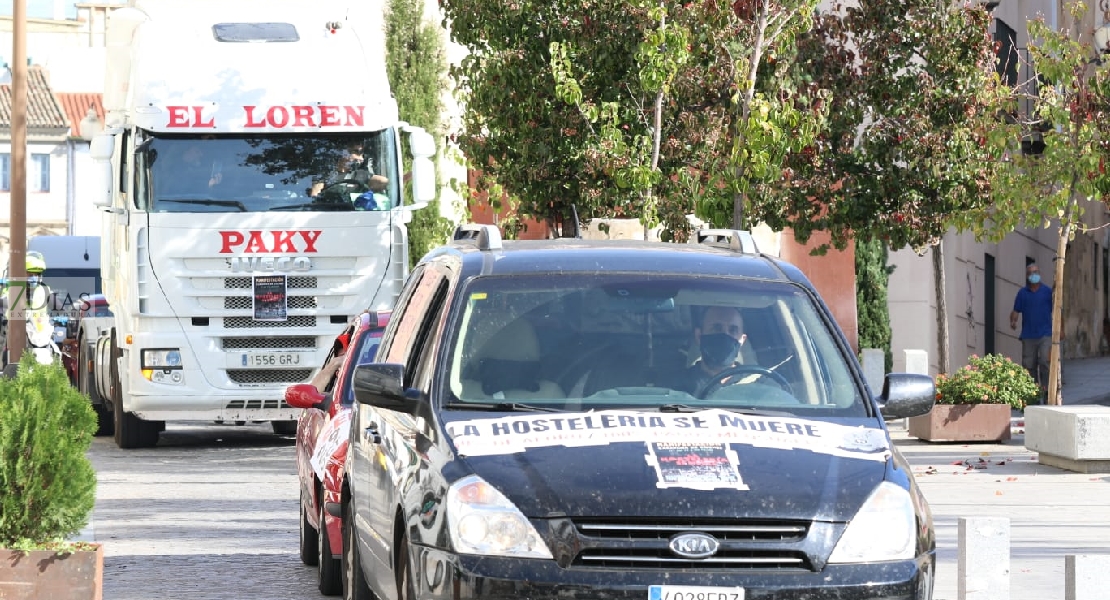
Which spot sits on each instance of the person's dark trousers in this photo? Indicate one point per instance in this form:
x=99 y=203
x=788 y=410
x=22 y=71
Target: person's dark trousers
x=1034 y=357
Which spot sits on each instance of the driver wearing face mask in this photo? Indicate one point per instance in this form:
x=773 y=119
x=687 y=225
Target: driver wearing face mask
x=719 y=337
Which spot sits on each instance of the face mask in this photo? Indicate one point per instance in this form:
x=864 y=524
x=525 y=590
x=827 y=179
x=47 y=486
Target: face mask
x=1035 y=278
x=719 y=349
x=33 y=280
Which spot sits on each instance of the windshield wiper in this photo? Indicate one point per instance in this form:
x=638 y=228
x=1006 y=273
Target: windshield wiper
x=499 y=406
x=232 y=203
x=682 y=408
x=336 y=206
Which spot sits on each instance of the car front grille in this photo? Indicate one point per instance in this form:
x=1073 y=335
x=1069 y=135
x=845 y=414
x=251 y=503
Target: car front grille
x=256 y=404
x=642 y=544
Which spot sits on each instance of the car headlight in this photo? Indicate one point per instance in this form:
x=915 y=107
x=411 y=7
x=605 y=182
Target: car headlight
x=885 y=528
x=161 y=358
x=483 y=521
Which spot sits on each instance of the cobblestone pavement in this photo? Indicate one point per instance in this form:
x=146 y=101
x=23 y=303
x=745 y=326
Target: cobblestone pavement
x=208 y=514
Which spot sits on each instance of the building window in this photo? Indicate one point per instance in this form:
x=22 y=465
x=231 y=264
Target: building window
x=38 y=176
x=38 y=173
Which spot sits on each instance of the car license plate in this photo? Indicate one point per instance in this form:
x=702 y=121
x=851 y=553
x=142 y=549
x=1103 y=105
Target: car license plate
x=694 y=592
x=274 y=359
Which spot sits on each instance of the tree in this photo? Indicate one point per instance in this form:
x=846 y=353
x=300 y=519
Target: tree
x=914 y=97
x=600 y=107
x=906 y=150
x=873 y=312
x=1072 y=114
x=416 y=64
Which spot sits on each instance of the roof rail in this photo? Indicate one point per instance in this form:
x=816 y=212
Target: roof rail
x=488 y=237
x=733 y=239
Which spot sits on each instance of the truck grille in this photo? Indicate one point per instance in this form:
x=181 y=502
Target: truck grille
x=242 y=376
x=268 y=343
x=246 y=303
x=244 y=322
x=294 y=282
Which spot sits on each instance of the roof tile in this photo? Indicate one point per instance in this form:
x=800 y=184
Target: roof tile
x=43 y=109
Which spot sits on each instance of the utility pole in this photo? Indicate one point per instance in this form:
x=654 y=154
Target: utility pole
x=17 y=257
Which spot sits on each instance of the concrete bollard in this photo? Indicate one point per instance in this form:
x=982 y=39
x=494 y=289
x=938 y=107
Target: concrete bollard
x=984 y=558
x=917 y=361
x=1086 y=576
x=874 y=368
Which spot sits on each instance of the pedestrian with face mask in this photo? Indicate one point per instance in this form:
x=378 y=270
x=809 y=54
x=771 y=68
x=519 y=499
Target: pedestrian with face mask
x=1034 y=303
x=719 y=337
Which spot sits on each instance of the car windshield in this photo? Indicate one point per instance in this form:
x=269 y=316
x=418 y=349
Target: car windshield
x=288 y=172
x=581 y=342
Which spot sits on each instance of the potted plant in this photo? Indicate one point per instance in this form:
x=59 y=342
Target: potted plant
x=47 y=487
x=974 y=404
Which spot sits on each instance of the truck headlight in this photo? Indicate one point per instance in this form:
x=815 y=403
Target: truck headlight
x=483 y=521
x=162 y=365
x=885 y=528
x=161 y=358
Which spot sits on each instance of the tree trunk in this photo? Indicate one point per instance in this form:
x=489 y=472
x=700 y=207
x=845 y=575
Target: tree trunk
x=1054 y=393
x=940 y=287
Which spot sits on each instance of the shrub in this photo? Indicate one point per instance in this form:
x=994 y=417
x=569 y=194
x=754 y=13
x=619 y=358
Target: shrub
x=990 y=379
x=47 y=482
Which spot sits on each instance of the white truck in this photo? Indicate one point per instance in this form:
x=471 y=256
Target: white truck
x=251 y=185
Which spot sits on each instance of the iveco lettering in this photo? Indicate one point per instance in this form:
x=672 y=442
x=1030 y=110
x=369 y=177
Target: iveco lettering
x=573 y=419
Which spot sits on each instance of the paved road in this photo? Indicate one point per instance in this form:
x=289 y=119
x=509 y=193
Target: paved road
x=1052 y=512
x=210 y=514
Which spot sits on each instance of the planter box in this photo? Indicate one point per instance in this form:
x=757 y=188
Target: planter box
x=48 y=575
x=963 y=423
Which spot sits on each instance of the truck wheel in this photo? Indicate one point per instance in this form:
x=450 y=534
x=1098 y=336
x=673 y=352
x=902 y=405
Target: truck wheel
x=130 y=431
x=87 y=385
x=284 y=427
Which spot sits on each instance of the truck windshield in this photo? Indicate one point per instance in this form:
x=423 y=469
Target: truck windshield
x=335 y=172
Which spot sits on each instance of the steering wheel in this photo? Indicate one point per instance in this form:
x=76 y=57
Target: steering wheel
x=721 y=379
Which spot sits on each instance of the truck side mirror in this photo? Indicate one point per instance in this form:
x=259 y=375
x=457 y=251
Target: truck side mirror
x=423 y=148
x=101 y=149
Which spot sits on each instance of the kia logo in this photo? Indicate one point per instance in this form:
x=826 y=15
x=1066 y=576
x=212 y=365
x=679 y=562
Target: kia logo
x=694 y=545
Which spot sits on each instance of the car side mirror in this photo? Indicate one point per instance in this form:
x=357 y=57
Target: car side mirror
x=907 y=395
x=303 y=395
x=382 y=385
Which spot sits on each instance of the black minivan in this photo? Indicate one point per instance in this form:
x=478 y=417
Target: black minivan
x=573 y=419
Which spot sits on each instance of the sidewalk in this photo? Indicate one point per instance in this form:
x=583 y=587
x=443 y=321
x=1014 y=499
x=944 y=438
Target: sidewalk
x=1052 y=512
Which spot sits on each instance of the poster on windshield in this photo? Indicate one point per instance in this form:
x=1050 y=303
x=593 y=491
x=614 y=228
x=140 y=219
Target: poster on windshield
x=269 y=298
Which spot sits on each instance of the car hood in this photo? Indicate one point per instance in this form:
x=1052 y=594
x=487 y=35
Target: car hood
x=708 y=464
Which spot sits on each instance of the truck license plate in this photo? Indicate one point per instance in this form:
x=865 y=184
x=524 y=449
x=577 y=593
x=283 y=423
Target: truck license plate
x=694 y=592
x=274 y=359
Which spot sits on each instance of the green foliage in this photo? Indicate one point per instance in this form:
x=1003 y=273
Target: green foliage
x=990 y=379
x=561 y=105
x=416 y=64
x=908 y=147
x=1072 y=114
x=47 y=483
x=872 y=310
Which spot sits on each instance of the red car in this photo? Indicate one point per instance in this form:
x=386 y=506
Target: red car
x=322 y=436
